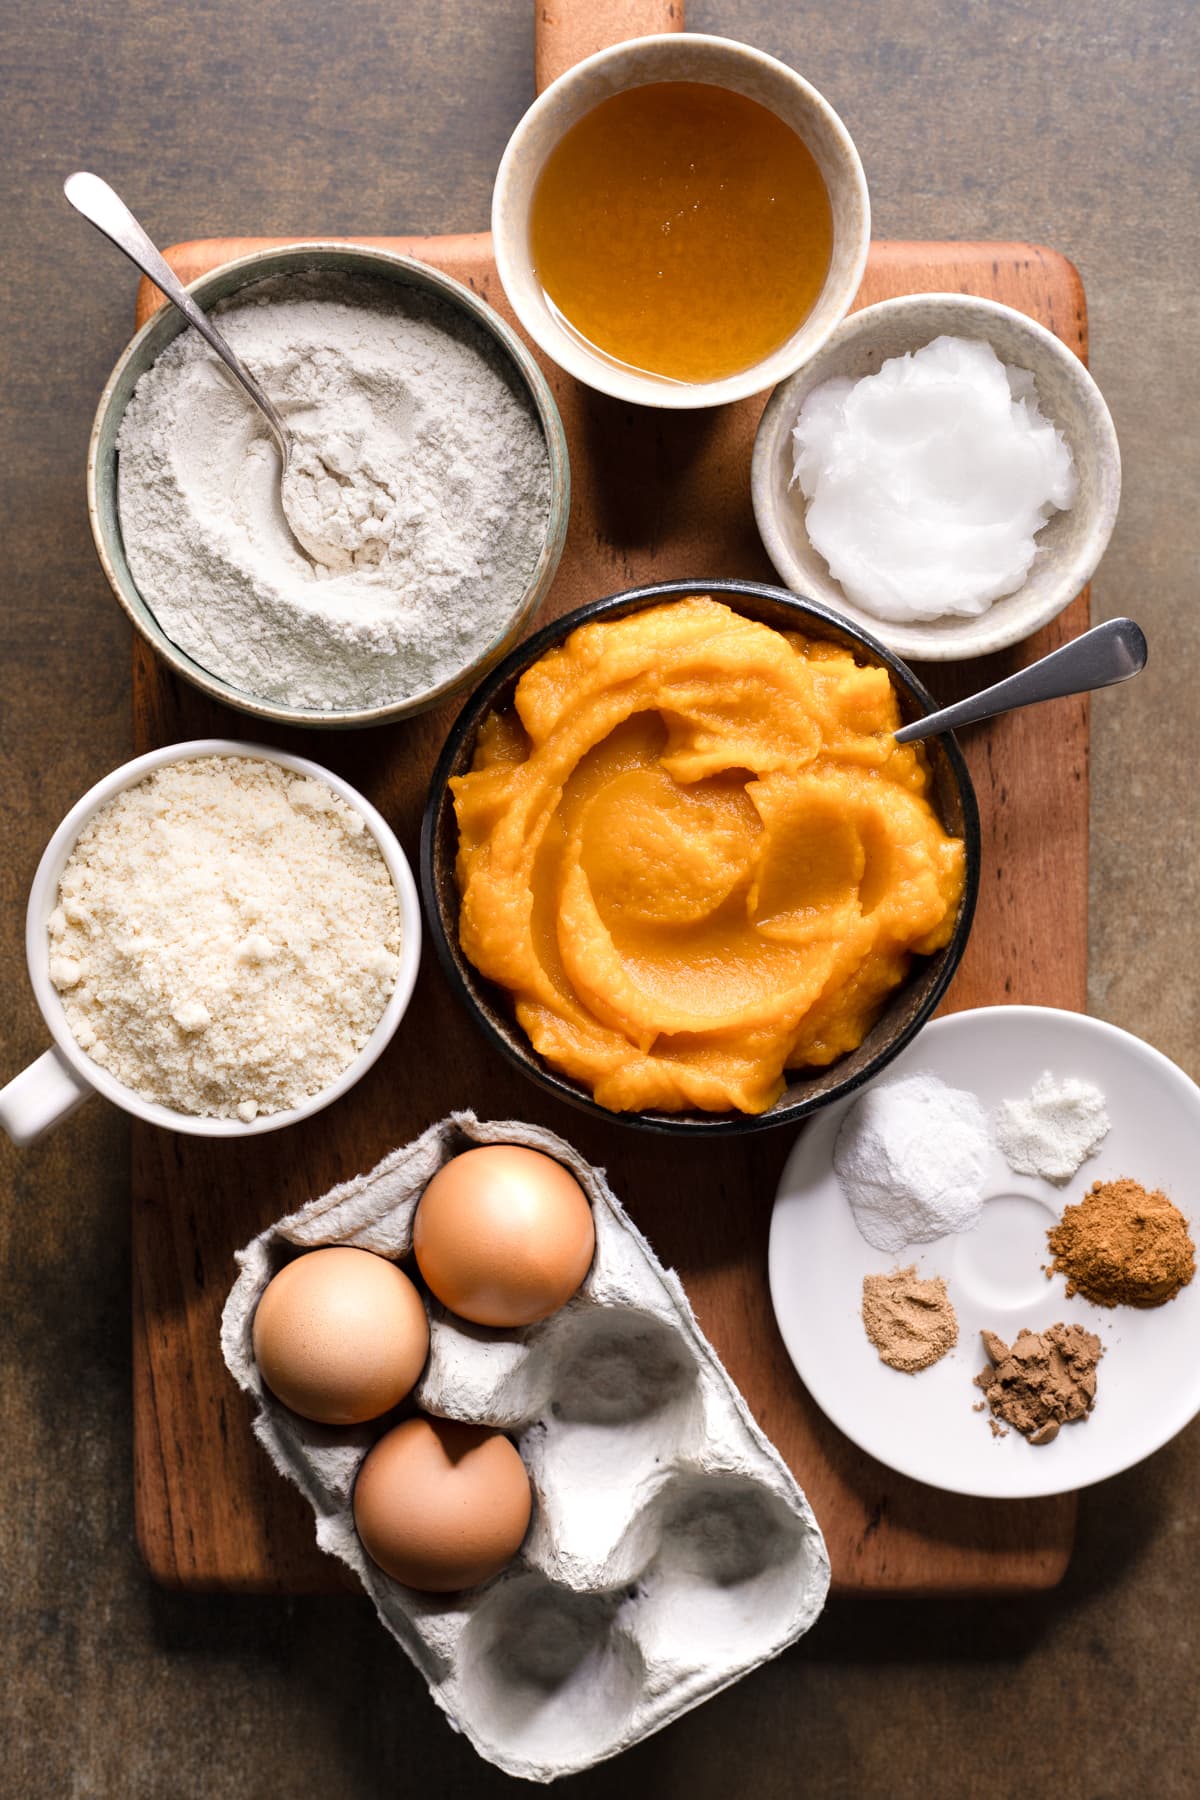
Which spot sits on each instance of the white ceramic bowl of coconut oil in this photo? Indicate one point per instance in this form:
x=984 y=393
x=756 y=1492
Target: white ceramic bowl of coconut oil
x=65 y=1075
x=1068 y=546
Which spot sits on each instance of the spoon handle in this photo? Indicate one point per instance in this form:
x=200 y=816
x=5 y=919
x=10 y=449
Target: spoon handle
x=1107 y=654
x=104 y=209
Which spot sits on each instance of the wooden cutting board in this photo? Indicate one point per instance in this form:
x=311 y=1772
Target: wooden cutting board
x=655 y=496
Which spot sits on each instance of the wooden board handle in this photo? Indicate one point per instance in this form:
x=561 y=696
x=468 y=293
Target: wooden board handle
x=565 y=31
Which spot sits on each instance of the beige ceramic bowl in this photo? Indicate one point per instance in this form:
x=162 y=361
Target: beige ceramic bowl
x=1069 y=546
x=717 y=62
x=349 y=259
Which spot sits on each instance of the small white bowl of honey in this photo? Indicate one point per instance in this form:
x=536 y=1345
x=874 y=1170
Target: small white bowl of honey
x=680 y=221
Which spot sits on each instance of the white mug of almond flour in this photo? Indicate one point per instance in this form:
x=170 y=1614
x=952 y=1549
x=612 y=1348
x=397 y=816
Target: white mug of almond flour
x=65 y=1075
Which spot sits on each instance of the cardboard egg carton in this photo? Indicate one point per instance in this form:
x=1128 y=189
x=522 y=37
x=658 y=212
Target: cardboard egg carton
x=670 y=1549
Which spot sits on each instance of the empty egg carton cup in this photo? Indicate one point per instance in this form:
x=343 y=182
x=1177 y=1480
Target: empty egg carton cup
x=670 y=1549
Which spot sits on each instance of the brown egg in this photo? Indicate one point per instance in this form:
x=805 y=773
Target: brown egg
x=503 y=1235
x=442 y=1505
x=340 y=1335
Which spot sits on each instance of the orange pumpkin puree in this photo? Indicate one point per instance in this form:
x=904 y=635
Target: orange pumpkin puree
x=696 y=858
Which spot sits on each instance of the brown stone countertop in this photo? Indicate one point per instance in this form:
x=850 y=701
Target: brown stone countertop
x=1074 y=126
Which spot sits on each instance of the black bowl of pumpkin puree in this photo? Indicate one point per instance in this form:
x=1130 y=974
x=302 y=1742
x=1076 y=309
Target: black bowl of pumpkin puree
x=683 y=878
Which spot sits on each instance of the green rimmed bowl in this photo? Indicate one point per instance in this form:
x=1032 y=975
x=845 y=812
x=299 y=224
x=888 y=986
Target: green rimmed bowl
x=166 y=325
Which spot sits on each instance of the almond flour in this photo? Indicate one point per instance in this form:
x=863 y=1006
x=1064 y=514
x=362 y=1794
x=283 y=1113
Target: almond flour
x=226 y=937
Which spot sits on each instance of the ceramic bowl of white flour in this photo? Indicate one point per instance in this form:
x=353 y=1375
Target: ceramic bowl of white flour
x=238 y=969
x=427 y=454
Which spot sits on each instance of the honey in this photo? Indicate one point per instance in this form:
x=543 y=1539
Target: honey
x=682 y=230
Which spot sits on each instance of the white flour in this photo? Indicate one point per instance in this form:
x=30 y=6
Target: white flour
x=226 y=936
x=419 y=462
x=911 y=1158
x=1053 y=1128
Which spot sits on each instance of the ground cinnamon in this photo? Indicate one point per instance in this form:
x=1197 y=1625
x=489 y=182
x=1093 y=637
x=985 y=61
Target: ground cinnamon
x=1123 y=1246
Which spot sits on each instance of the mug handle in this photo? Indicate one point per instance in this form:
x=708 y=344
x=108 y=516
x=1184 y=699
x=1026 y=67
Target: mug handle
x=40 y=1096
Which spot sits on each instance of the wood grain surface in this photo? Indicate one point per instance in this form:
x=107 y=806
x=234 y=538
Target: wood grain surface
x=654 y=496
x=564 y=33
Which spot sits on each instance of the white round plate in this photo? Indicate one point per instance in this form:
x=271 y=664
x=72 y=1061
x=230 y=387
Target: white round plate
x=1148 y=1383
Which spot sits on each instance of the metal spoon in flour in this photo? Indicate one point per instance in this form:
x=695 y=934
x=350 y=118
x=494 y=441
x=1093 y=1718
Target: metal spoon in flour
x=1107 y=654
x=104 y=209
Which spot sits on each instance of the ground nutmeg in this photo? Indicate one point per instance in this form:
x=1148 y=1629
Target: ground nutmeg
x=1044 y=1380
x=1123 y=1246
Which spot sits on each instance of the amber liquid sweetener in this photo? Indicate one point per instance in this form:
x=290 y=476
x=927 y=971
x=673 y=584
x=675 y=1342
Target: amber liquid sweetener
x=682 y=230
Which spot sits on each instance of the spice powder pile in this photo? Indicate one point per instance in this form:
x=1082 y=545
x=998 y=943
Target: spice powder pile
x=911 y=1322
x=1046 y=1379
x=1123 y=1246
